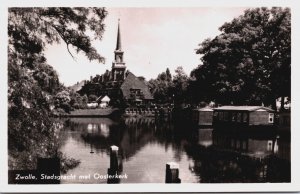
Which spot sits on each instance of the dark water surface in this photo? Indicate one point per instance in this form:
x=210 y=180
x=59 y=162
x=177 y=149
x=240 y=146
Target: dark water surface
x=145 y=146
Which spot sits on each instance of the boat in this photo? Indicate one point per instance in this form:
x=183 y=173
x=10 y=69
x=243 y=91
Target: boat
x=202 y=117
x=249 y=115
x=246 y=117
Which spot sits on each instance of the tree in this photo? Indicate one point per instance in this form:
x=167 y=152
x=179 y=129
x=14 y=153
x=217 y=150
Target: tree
x=168 y=75
x=161 y=87
x=92 y=98
x=62 y=100
x=77 y=101
x=250 y=61
x=32 y=83
x=180 y=84
x=200 y=85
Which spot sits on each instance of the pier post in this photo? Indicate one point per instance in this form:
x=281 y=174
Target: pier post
x=172 y=173
x=114 y=157
x=113 y=171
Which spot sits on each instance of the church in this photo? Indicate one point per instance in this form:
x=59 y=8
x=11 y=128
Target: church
x=119 y=84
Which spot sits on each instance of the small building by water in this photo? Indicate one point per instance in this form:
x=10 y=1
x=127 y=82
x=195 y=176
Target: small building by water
x=103 y=101
x=203 y=116
x=243 y=115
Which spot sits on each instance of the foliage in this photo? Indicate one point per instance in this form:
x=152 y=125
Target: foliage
x=180 y=84
x=92 y=98
x=67 y=163
x=38 y=26
x=62 y=100
x=37 y=142
x=161 y=87
x=166 y=89
x=62 y=97
x=249 y=62
x=77 y=101
x=32 y=83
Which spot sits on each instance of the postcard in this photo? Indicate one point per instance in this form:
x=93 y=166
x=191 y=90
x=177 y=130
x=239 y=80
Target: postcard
x=174 y=96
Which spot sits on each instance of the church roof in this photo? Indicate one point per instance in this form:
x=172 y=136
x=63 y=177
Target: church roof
x=133 y=82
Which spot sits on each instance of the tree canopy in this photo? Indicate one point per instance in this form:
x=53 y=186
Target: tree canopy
x=168 y=89
x=249 y=62
x=180 y=84
x=32 y=83
x=161 y=87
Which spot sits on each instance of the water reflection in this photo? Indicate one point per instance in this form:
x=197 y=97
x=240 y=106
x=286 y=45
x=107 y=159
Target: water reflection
x=145 y=146
x=205 y=137
x=240 y=157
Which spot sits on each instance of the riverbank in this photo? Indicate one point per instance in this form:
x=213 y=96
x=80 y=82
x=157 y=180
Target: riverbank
x=99 y=112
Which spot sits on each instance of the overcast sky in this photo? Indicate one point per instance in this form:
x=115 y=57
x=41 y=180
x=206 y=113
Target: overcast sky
x=152 y=40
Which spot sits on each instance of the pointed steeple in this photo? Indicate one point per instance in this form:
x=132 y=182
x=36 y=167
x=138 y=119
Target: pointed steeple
x=118 y=65
x=119 y=45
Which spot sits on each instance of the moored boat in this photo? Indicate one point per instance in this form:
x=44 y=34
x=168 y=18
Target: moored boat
x=243 y=116
x=203 y=116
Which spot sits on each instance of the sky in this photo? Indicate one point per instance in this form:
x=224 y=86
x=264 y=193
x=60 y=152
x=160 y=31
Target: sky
x=153 y=39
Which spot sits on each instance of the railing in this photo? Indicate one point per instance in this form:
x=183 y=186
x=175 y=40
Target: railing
x=151 y=112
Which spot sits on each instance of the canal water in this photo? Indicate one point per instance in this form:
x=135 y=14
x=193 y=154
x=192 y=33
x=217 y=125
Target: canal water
x=145 y=146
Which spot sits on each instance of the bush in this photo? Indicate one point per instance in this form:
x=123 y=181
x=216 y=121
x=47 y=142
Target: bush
x=92 y=98
x=67 y=163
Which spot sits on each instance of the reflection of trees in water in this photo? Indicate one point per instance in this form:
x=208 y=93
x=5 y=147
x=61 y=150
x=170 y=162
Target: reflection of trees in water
x=130 y=134
x=142 y=131
x=86 y=130
x=225 y=161
x=221 y=167
x=102 y=136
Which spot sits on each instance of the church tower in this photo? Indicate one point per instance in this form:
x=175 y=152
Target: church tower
x=118 y=65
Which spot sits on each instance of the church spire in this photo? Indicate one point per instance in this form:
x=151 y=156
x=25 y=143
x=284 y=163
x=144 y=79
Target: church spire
x=118 y=65
x=119 y=46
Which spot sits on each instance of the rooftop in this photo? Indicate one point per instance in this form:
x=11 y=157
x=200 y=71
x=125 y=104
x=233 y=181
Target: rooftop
x=133 y=82
x=244 y=108
x=204 y=109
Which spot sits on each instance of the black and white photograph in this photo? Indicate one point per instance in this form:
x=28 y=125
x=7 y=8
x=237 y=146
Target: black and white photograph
x=167 y=95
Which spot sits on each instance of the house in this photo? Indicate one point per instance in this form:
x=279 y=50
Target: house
x=203 y=116
x=103 y=101
x=135 y=90
x=243 y=116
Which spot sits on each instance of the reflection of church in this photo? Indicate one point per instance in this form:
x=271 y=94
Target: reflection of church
x=120 y=85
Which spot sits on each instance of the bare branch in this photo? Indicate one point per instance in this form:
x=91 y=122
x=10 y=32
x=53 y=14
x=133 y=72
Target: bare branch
x=70 y=52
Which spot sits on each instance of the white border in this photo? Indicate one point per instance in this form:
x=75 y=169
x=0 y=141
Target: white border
x=243 y=187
